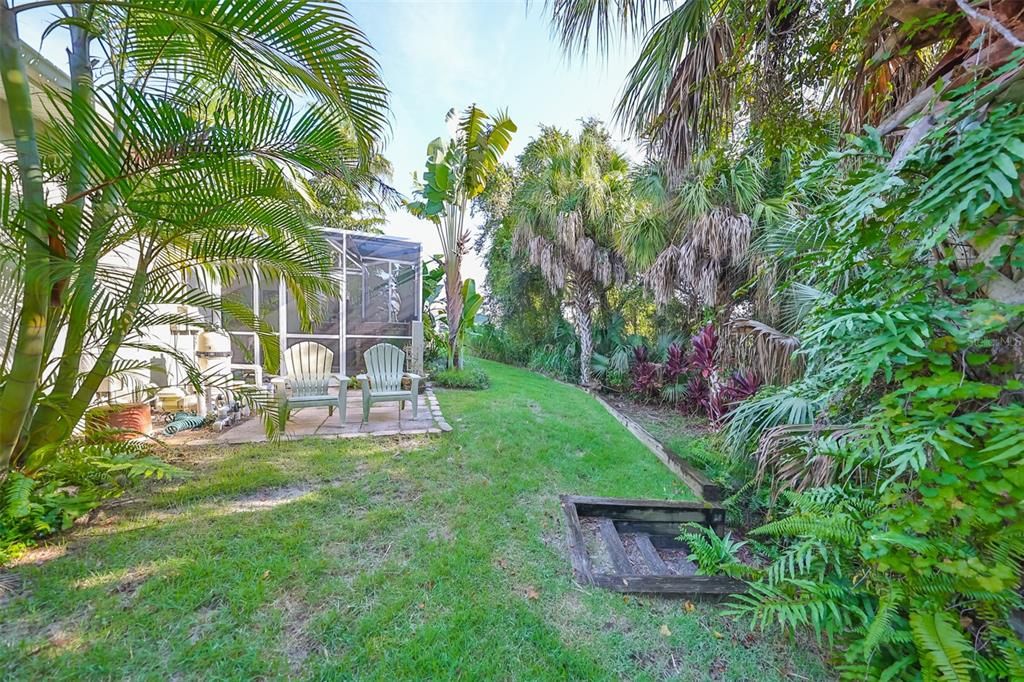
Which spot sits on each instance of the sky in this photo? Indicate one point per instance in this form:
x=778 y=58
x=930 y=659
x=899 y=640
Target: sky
x=499 y=54
x=439 y=54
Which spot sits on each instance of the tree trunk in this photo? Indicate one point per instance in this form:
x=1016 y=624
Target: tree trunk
x=453 y=278
x=453 y=300
x=583 y=301
x=83 y=248
x=57 y=428
x=23 y=379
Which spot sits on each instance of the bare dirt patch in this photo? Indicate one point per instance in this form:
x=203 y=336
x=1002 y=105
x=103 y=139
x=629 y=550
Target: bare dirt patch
x=296 y=642
x=203 y=625
x=268 y=498
x=37 y=556
x=661 y=664
x=657 y=418
x=441 y=534
x=130 y=584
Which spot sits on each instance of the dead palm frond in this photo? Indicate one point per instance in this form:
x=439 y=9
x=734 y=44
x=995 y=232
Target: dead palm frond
x=769 y=352
x=793 y=456
x=706 y=261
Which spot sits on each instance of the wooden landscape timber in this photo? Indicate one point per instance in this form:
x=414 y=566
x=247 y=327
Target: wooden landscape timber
x=700 y=484
x=652 y=525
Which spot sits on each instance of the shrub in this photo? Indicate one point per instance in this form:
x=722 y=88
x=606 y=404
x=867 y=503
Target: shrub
x=77 y=477
x=471 y=378
x=675 y=363
x=646 y=380
x=494 y=343
x=897 y=460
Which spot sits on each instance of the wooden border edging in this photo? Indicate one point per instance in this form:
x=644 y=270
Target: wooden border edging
x=654 y=523
x=701 y=485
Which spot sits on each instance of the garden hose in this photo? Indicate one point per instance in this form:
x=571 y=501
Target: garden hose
x=183 y=421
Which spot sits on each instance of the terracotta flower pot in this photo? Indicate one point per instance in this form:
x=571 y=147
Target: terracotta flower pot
x=132 y=419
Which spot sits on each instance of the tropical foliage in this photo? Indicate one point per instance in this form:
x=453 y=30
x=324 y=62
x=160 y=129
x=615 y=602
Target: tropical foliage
x=179 y=156
x=470 y=378
x=457 y=171
x=907 y=472
x=572 y=194
x=875 y=282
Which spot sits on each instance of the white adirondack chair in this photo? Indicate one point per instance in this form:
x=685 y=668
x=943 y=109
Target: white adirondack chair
x=309 y=376
x=382 y=383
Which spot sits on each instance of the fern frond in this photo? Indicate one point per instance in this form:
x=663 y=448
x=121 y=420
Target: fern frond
x=799 y=559
x=837 y=528
x=17 y=495
x=880 y=629
x=826 y=607
x=943 y=646
x=711 y=553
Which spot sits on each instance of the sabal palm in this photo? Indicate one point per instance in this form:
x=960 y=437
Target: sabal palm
x=457 y=172
x=178 y=153
x=710 y=68
x=573 y=194
x=693 y=239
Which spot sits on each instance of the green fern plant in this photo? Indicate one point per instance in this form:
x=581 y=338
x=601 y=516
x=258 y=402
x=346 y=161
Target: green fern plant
x=946 y=652
x=713 y=554
x=67 y=482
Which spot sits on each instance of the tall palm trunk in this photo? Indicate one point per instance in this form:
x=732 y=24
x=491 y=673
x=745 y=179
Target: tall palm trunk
x=73 y=409
x=23 y=378
x=582 y=299
x=82 y=245
x=453 y=278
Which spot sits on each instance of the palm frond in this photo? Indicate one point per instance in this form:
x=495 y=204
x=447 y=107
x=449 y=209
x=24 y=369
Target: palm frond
x=766 y=350
x=313 y=47
x=580 y=23
x=677 y=92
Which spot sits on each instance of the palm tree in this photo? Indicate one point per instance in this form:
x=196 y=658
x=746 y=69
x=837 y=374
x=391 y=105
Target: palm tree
x=179 y=148
x=710 y=68
x=707 y=67
x=457 y=172
x=357 y=199
x=573 y=193
x=725 y=91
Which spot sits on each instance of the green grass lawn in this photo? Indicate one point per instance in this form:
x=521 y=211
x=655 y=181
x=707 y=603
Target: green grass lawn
x=407 y=558
x=688 y=437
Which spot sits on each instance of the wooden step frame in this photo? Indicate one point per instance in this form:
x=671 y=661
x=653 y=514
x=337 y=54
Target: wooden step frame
x=657 y=522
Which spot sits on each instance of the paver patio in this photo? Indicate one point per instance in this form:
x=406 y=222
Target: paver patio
x=385 y=420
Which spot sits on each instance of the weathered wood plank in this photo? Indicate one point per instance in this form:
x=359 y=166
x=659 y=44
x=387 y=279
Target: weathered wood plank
x=671 y=584
x=655 y=534
x=620 y=502
x=651 y=556
x=616 y=550
x=578 y=556
x=648 y=515
x=652 y=511
x=664 y=528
